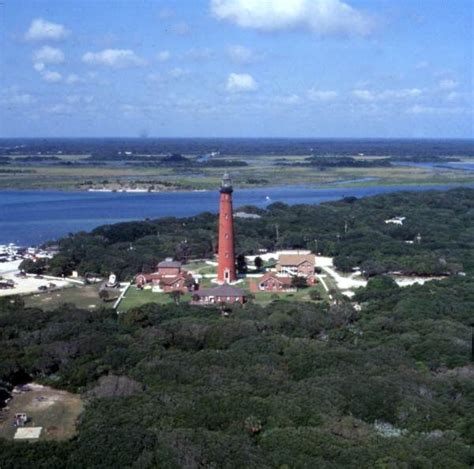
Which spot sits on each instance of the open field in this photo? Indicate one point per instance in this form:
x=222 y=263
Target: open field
x=86 y=297
x=261 y=171
x=135 y=297
x=54 y=410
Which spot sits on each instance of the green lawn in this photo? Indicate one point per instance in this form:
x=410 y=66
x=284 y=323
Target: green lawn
x=268 y=297
x=201 y=268
x=135 y=297
x=86 y=297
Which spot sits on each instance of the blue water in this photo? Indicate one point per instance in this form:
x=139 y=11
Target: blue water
x=32 y=217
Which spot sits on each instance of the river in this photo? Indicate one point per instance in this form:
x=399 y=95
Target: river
x=33 y=217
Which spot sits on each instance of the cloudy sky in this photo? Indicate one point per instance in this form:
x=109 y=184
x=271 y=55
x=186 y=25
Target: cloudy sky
x=236 y=68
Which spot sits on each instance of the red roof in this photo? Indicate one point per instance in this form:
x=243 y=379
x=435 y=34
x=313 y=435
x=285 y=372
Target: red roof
x=271 y=275
x=172 y=280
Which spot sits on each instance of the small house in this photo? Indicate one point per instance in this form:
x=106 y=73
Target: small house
x=168 y=277
x=222 y=294
x=296 y=264
x=273 y=283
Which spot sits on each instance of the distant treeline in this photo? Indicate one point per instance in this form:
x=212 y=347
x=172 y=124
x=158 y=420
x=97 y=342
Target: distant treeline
x=333 y=161
x=339 y=162
x=429 y=159
x=252 y=147
x=174 y=160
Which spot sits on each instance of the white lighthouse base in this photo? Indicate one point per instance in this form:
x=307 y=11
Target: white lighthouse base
x=235 y=282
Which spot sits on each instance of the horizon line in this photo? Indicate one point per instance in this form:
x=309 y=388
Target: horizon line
x=231 y=138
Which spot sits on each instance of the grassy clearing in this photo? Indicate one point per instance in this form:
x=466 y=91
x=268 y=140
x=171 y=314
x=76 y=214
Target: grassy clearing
x=135 y=297
x=54 y=410
x=86 y=297
x=200 y=268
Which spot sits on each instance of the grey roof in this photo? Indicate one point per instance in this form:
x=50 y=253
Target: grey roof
x=168 y=263
x=246 y=215
x=222 y=290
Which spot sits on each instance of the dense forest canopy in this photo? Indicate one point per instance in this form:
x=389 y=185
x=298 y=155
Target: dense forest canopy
x=436 y=238
x=286 y=385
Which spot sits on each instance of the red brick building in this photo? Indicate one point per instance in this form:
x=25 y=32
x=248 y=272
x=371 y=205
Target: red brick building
x=300 y=264
x=270 y=282
x=169 y=268
x=222 y=294
x=169 y=277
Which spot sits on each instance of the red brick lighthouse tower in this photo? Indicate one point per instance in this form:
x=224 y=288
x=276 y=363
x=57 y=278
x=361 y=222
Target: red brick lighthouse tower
x=226 y=252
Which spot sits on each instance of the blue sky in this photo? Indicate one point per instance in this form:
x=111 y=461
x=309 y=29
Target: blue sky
x=236 y=68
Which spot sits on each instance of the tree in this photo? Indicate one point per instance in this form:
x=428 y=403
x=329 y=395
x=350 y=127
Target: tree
x=299 y=282
x=315 y=295
x=176 y=296
x=189 y=283
x=34 y=266
x=258 y=263
x=241 y=264
x=378 y=287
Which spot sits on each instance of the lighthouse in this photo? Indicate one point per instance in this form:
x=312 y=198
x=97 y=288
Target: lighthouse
x=226 y=252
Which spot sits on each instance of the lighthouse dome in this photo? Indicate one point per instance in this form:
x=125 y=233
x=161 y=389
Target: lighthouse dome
x=226 y=183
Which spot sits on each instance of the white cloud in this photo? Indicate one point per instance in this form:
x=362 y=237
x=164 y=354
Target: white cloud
x=13 y=96
x=241 y=54
x=422 y=64
x=75 y=99
x=48 y=55
x=322 y=95
x=401 y=94
x=447 y=84
x=290 y=99
x=22 y=98
x=181 y=29
x=367 y=95
x=41 y=30
x=240 y=82
x=163 y=55
x=155 y=77
x=364 y=95
x=199 y=54
x=39 y=67
x=323 y=17
x=59 y=108
x=165 y=13
x=432 y=110
x=51 y=77
x=73 y=79
x=178 y=72
x=114 y=58
x=453 y=96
